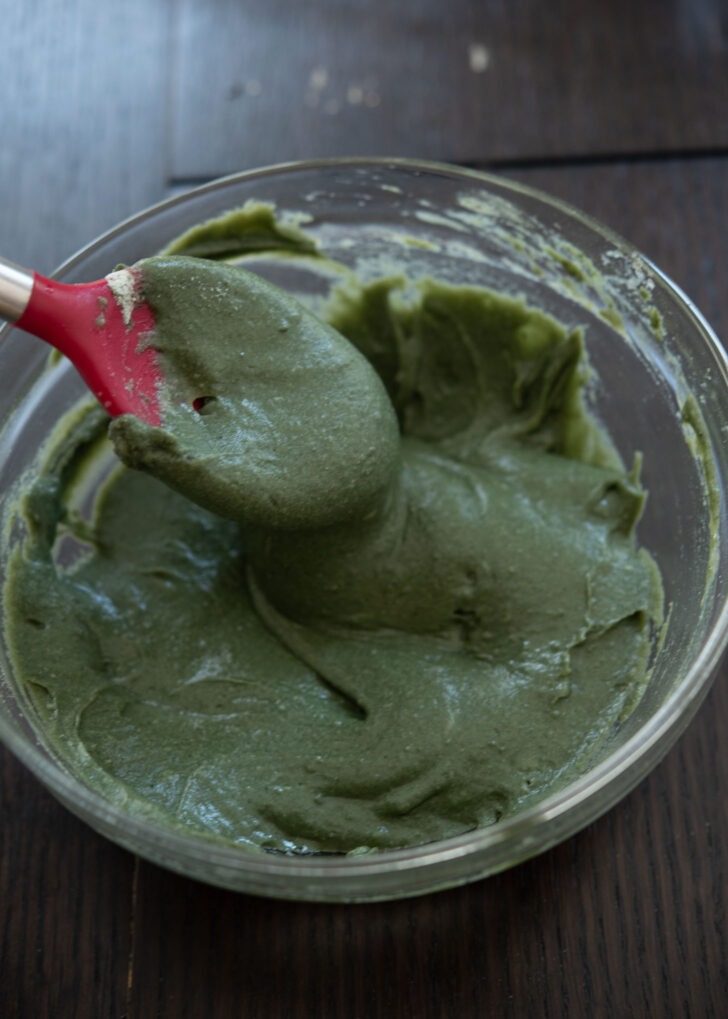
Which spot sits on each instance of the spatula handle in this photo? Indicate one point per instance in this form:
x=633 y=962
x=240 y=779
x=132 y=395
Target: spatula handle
x=16 y=285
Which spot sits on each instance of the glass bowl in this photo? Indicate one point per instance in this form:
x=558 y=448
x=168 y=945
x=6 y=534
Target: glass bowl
x=661 y=388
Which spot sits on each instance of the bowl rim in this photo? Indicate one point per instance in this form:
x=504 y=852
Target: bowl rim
x=480 y=851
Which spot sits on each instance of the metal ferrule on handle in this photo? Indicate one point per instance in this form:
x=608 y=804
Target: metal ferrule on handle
x=16 y=285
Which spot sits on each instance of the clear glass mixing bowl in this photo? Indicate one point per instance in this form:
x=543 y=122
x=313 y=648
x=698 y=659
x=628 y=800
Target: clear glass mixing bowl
x=662 y=388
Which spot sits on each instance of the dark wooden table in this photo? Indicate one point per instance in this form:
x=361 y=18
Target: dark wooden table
x=622 y=109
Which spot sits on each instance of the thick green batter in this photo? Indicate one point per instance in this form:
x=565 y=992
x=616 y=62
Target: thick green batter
x=405 y=602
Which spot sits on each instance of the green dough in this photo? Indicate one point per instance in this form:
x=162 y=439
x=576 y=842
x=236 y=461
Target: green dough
x=371 y=583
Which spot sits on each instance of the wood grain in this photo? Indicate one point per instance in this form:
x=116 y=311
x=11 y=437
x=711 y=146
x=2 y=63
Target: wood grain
x=83 y=117
x=262 y=83
x=65 y=907
x=617 y=108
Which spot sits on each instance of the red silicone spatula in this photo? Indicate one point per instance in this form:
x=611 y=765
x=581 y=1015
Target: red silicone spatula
x=102 y=327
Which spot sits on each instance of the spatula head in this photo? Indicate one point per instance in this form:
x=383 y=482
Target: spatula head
x=104 y=328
